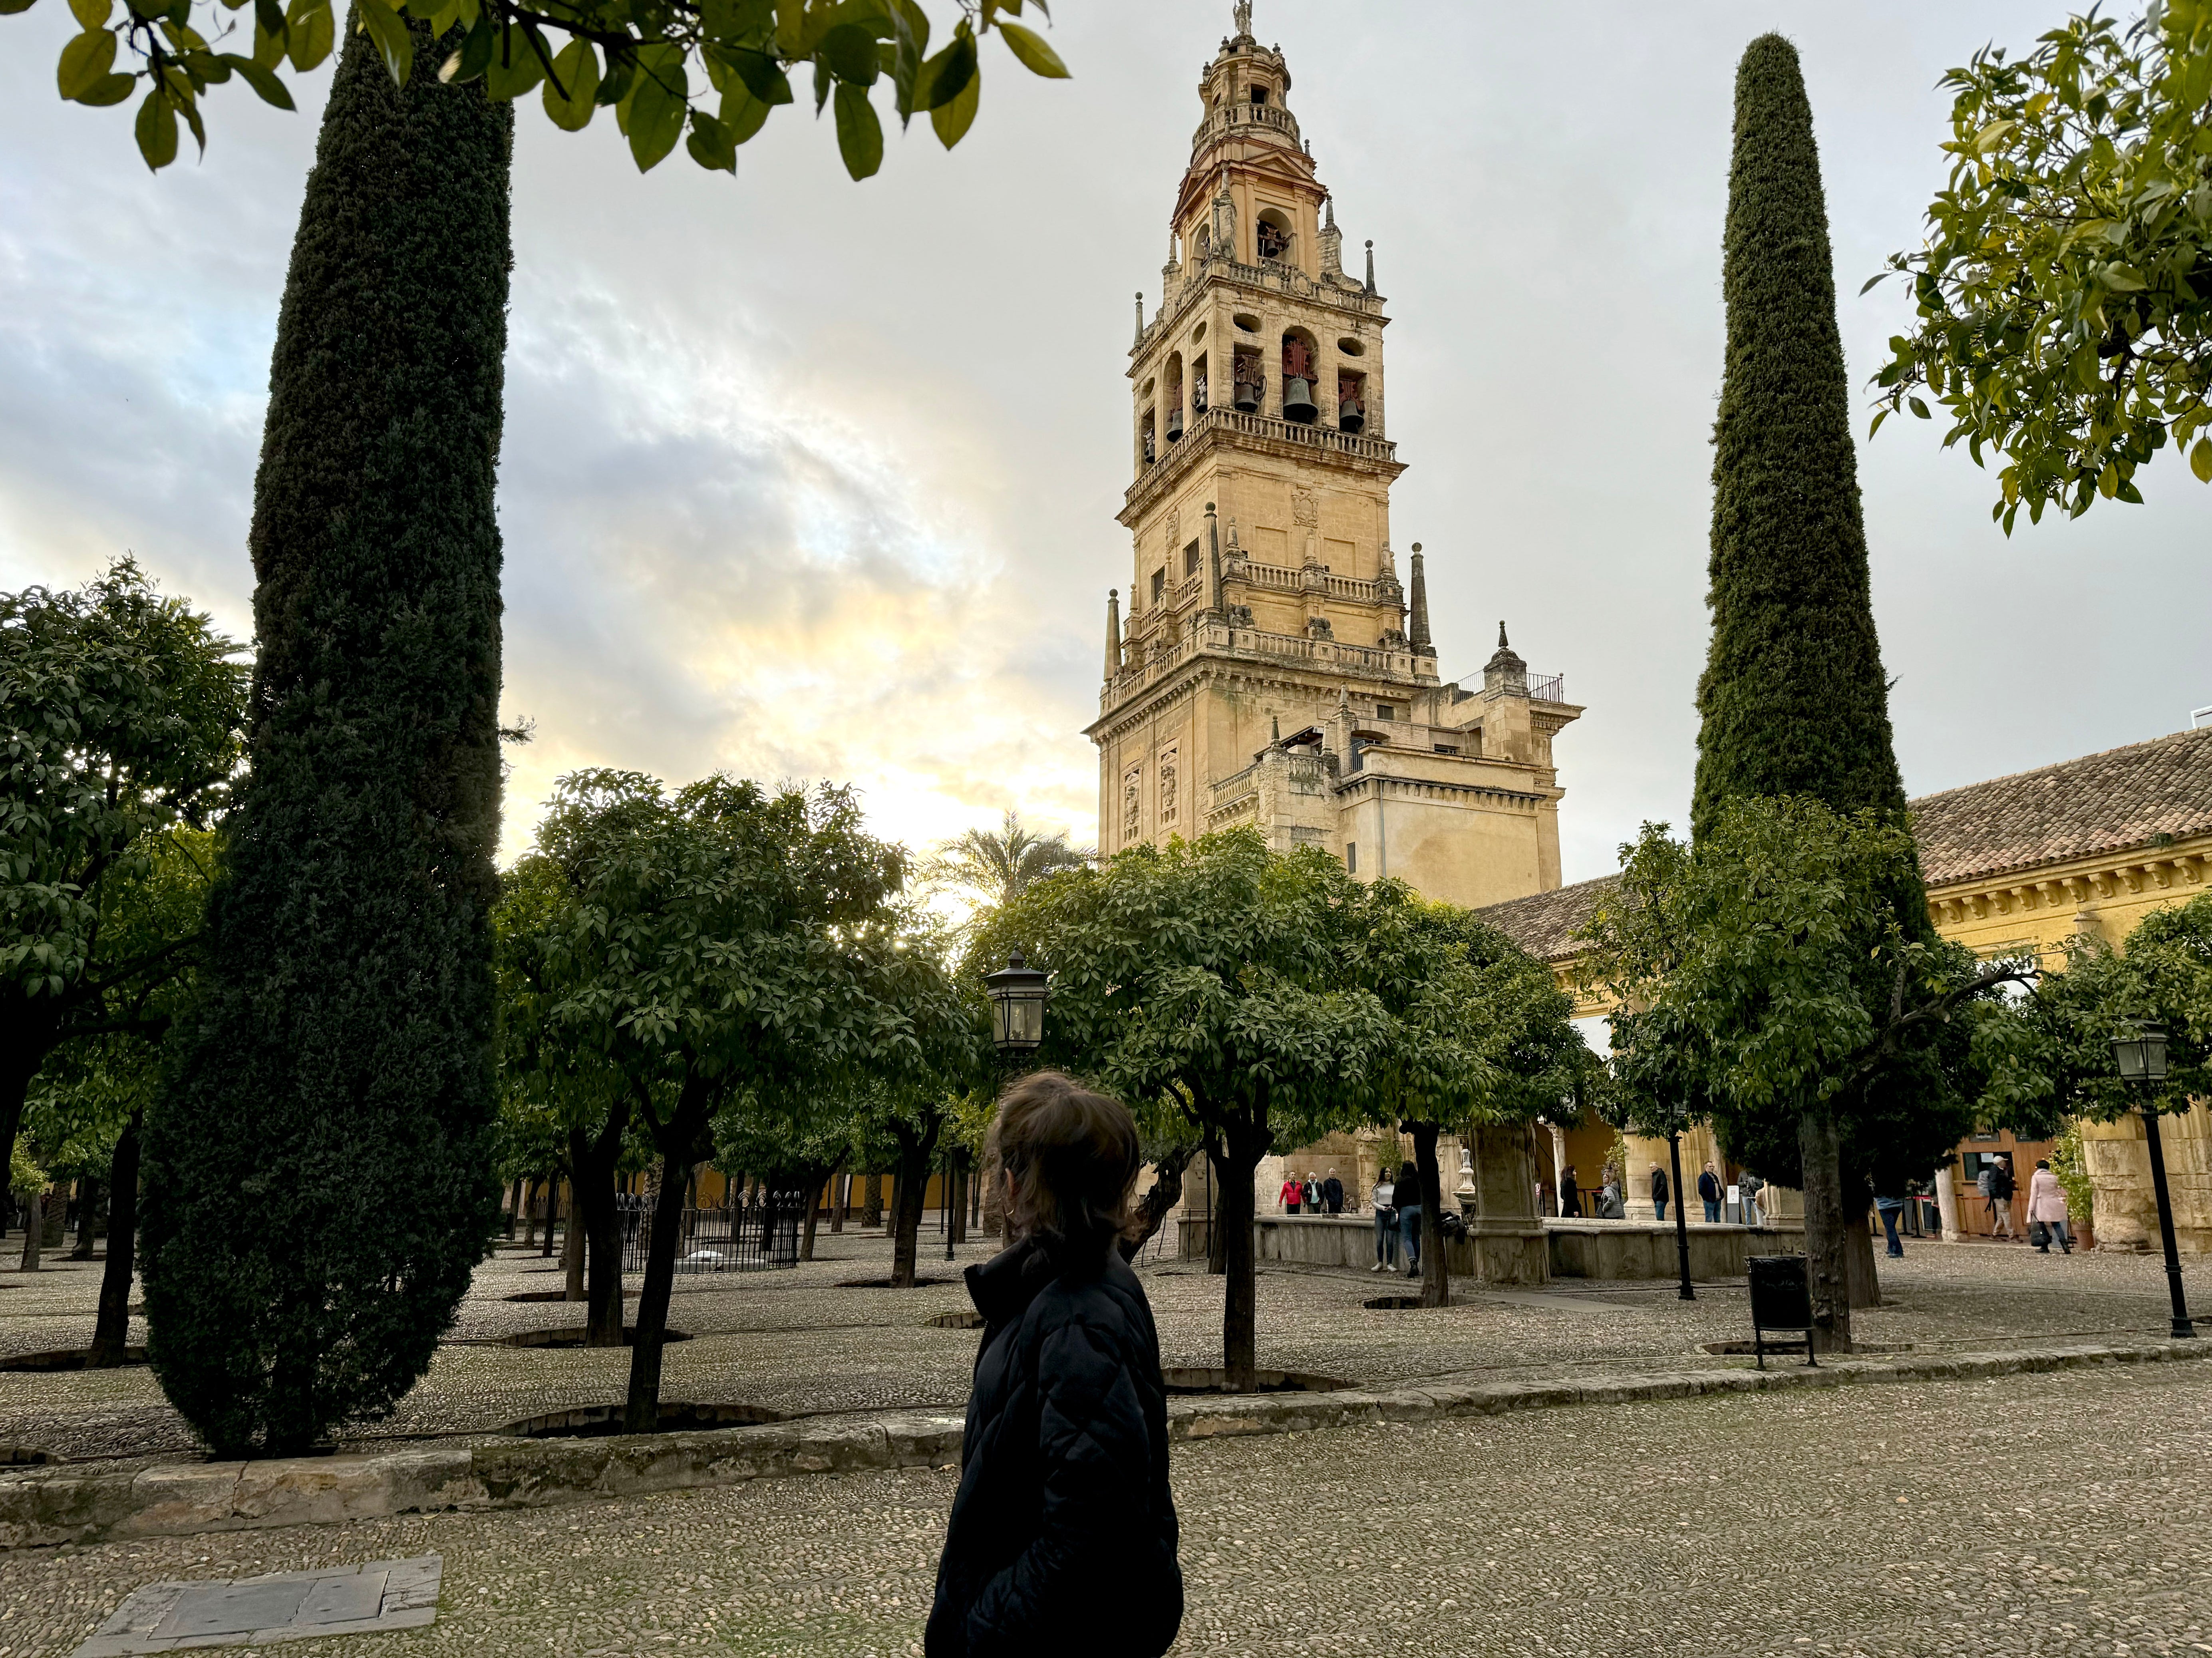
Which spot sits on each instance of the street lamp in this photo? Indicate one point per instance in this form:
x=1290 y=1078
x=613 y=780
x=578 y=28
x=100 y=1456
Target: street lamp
x=1017 y=993
x=2139 y=1051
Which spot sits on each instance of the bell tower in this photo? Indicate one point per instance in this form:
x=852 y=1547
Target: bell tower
x=1265 y=673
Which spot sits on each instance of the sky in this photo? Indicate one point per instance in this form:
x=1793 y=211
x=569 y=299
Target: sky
x=806 y=479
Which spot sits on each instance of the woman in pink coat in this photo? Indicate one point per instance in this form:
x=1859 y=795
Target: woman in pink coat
x=2047 y=1202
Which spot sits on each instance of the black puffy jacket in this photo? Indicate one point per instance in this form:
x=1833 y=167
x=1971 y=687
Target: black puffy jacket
x=1063 y=1533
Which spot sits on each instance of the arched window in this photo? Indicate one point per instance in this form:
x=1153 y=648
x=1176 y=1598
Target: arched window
x=1350 y=401
x=1274 y=232
x=1298 y=353
x=1171 y=394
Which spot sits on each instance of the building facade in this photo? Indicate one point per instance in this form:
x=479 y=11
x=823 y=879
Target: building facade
x=2022 y=864
x=1273 y=669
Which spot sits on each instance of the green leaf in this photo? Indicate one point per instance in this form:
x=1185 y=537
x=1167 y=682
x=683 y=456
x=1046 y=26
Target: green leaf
x=85 y=63
x=391 y=36
x=743 y=114
x=946 y=76
x=859 y=134
x=1867 y=286
x=9 y=8
x=522 y=70
x=262 y=79
x=710 y=143
x=656 y=109
x=614 y=85
x=952 y=120
x=92 y=13
x=1919 y=409
x=112 y=90
x=157 y=130
x=1881 y=416
x=478 y=46
x=850 y=51
x=1036 y=56
x=2200 y=460
x=761 y=73
x=576 y=70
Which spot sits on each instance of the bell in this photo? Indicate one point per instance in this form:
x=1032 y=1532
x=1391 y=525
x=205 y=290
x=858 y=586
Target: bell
x=1351 y=418
x=1298 y=404
x=1175 y=426
x=1247 y=397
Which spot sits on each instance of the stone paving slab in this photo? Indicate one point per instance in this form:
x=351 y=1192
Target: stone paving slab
x=285 y=1606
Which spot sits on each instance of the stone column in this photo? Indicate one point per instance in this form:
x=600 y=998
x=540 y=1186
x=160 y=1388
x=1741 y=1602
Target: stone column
x=1946 y=1201
x=1645 y=1154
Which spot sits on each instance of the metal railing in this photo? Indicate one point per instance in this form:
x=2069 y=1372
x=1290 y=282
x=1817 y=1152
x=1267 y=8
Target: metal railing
x=750 y=1237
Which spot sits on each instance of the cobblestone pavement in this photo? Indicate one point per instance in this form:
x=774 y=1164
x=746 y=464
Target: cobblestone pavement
x=795 y=1340
x=2036 y=1516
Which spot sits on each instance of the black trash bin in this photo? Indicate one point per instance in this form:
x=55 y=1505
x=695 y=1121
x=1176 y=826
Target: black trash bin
x=1781 y=1299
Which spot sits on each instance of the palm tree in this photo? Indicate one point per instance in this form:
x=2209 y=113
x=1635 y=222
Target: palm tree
x=997 y=866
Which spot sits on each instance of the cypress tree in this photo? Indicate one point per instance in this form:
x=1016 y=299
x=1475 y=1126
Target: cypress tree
x=320 y=1180
x=1793 y=699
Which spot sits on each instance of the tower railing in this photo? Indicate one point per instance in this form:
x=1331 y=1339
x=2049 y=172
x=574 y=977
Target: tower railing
x=1322 y=439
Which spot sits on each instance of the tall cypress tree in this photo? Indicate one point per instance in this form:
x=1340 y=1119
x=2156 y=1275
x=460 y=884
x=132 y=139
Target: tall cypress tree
x=1793 y=699
x=320 y=1178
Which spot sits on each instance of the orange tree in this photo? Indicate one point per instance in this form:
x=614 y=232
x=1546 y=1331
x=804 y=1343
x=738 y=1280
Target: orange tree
x=709 y=72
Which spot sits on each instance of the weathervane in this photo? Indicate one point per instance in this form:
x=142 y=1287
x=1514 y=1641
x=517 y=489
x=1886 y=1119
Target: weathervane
x=1241 y=11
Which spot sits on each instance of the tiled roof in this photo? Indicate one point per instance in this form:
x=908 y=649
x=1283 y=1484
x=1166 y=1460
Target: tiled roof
x=2101 y=803
x=1545 y=923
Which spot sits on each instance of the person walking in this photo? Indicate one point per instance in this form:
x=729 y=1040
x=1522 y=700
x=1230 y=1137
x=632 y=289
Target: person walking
x=2046 y=1207
x=1660 y=1193
x=1293 y=1190
x=1610 y=1205
x=1709 y=1194
x=1409 y=1217
x=1063 y=1510
x=1312 y=1195
x=1571 y=1197
x=1889 y=1209
x=2001 y=1190
x=1331 y=1194
x=1386 y=1222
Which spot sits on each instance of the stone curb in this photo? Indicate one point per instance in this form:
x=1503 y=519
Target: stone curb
x=42 y=1507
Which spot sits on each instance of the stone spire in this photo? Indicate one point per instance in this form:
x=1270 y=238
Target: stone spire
x=1423 y=646
x=1370 y=267
x=1506 y=672
x=1332 y=241
x=1113 y=632
x=1140 y=340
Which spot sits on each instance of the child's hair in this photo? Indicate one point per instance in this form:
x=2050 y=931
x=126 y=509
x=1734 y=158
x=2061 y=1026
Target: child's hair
x=2043 y=1163
x=1074 y=1155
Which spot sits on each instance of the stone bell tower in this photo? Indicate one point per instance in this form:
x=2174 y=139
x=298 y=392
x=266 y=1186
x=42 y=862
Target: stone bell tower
x=1274 y=669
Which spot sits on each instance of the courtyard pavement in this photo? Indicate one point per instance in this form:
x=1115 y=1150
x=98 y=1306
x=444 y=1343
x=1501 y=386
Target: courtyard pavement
x=2060 y=1514
x=795 y=1340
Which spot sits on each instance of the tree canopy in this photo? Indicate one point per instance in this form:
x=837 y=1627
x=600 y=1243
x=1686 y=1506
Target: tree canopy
x=2063 y=296
x=993 y=866
x=121 y=718
x=709 y=74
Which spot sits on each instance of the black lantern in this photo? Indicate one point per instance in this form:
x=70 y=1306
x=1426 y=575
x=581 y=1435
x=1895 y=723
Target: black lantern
x=1018 y=994
x=2140 y=1051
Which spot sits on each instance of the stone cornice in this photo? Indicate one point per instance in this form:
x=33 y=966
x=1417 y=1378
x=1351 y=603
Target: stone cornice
x=1230 y=430
x=2068 y=885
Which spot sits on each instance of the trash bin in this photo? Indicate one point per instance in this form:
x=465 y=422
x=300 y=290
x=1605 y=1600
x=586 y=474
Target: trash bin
x=1781 y=1299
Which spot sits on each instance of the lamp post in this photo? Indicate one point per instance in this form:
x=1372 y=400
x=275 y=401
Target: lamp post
x=1681 y=1219
x=2139 y=1051
x=1017 y=993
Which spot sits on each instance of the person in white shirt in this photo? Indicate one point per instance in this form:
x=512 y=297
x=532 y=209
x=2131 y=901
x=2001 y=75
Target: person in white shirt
x=1386 y=1223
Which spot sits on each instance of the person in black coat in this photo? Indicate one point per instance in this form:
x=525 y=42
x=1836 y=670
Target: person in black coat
x=1063 y=1533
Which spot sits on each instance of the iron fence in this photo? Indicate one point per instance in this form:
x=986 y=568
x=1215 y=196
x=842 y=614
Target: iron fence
x=760 y=1235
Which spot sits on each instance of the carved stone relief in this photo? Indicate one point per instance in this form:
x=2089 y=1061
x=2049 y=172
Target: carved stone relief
x=1132 y=799
x=1168 y=774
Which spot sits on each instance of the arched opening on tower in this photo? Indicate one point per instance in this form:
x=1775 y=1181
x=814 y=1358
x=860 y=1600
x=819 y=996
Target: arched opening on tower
x=1298 y=354
x=1350 y=401
x=1274 y=232
x=1251 y=381
x=1172 y=394
x=1198 y=389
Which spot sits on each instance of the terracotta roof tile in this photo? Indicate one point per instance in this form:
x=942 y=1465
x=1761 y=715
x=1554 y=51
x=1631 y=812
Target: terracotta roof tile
x=1545 y=923
x=2101 y=803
